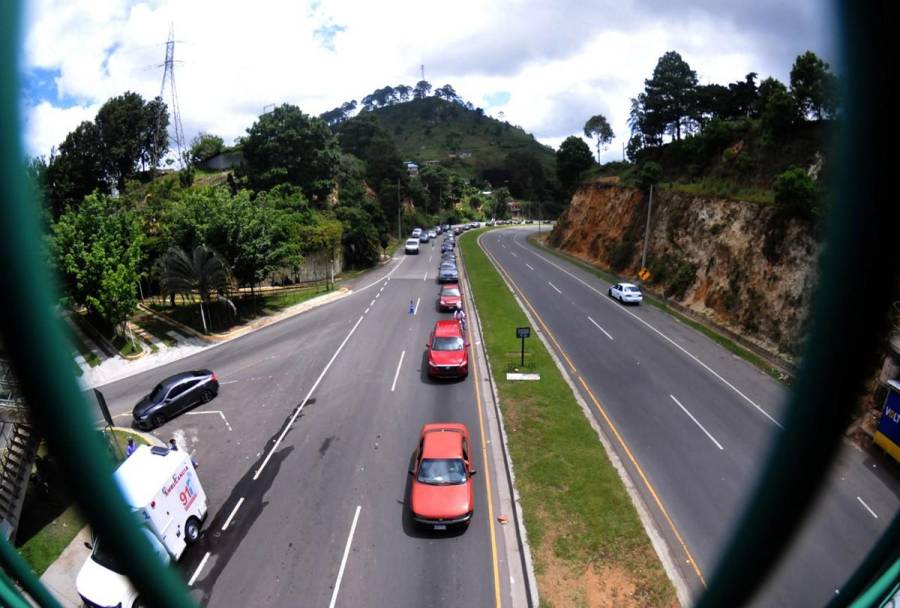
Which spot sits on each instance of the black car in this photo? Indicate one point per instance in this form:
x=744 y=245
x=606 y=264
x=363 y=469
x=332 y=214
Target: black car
x=173 y=396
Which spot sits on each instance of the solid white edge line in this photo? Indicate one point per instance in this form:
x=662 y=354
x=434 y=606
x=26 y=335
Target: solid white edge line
x=233 y=513
x=600 y=328
x=416 y=309
x=397 y=373
x=664 y=336
x=697 y=422
x=868 y=508
x=337 y=583
x=305 y=401
x=554 y=287
x=199 y=569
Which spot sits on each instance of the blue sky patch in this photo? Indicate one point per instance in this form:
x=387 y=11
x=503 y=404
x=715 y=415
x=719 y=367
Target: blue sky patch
x=326 y=33
x=497 y=98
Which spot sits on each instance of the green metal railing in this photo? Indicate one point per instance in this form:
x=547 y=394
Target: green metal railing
x=860 y=228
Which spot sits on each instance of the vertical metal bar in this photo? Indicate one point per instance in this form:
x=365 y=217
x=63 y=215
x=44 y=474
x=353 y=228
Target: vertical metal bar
x=40 y=359
x=15 y=565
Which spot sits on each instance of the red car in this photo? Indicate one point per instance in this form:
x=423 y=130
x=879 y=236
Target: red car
x=450 y=297
x=448 y=355
x=442 y=473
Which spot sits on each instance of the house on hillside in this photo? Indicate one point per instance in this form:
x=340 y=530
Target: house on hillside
x=224 y=161
x=412 y=169
x=514 y=207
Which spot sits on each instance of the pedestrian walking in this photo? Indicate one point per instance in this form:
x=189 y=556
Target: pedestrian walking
x=412 y=307
x=130 y=447
x=460 y=315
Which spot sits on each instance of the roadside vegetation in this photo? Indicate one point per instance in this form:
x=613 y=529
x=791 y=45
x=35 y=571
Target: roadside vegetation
x=756 y=140
x=245 y=309
x=589 y=546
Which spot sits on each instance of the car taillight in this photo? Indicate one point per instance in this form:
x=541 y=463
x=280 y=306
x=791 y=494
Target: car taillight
x=214 y=377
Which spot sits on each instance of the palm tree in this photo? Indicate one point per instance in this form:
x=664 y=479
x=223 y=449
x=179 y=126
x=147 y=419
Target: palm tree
x=203 y=271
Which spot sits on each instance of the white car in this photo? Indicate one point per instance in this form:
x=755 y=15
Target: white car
x=416 y=233
x=412 y=245
x=626 y=293
x=432 y=234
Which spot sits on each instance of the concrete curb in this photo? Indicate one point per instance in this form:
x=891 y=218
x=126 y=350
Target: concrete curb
x=264 y=322
x=682 y=590
x=530 y=586
x=256 y=323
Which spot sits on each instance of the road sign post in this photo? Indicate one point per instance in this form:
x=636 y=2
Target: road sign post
x=522 y=333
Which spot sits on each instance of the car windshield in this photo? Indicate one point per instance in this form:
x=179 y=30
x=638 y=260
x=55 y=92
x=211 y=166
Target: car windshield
x=106 y=559
x=442 y=472
x=450 y=292
x=158 y=393
x=447 y=343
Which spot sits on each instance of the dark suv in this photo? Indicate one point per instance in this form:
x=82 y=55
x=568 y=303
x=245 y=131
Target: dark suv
x=173 y=396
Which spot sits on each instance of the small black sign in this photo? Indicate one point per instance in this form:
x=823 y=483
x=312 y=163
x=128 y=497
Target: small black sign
x=523 y=332
x=101 y=402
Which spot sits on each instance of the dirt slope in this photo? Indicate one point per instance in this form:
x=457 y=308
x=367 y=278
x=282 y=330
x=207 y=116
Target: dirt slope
x=730 y=261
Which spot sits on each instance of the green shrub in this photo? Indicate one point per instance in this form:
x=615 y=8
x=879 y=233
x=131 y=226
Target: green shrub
x=796 y=195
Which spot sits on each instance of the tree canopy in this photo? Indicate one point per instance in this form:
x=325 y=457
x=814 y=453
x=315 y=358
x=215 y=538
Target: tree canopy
x=288 y=146
x=572 y=159
x=96 y=249
x=598 y=127
x=204 y=147
x=813 y=86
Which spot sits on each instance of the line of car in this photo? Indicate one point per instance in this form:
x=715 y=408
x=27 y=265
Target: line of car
x=442 y=494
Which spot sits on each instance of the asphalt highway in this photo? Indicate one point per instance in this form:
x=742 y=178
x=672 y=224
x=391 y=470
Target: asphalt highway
x=697 y=422
x=304 y=456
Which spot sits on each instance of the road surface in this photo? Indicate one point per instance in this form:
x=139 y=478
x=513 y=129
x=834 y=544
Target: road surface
x=698 y=422
x=305 y=499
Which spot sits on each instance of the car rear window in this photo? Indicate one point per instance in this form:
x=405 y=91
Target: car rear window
x=450 y=292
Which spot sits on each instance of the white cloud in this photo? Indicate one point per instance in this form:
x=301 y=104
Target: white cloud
x=46 y=125
x=560 y=63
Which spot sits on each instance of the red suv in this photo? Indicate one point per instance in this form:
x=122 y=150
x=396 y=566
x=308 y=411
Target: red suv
x=450 y=297
x=442 y=473
x=448 y=355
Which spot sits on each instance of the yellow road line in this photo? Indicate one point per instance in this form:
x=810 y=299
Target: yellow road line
x=547 y=331
x=487 y=475
x=612 y=426
x=646 y=481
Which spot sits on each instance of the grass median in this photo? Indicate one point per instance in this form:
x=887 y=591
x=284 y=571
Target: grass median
x=588 y=544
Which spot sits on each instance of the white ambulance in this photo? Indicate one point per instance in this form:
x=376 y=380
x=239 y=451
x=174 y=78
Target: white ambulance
x=162 y=488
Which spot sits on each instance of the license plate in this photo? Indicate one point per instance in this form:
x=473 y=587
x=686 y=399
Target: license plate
x=440 y=527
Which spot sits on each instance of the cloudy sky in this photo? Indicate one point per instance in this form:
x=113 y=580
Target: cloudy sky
x=547 y=66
